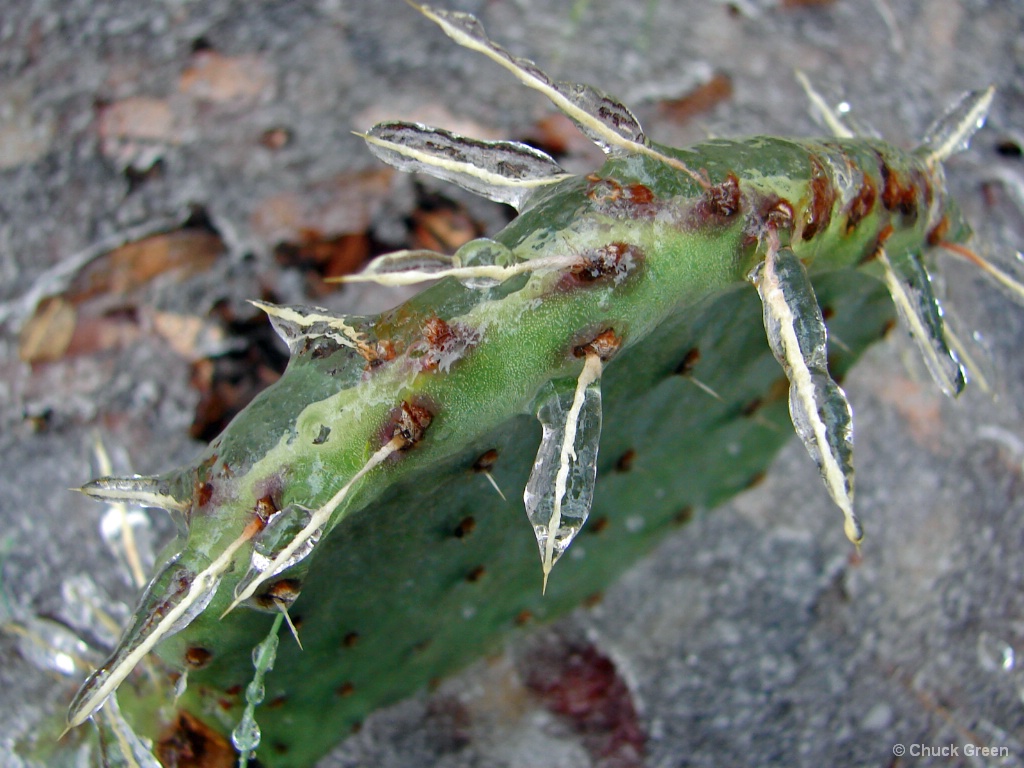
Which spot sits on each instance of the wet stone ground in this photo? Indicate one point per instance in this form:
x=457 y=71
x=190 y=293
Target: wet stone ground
x=162 y=162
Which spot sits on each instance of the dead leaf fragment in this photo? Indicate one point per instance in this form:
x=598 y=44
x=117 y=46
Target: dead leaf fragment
x=442 y=228
x=701 y=99
x=47 y=334
x=189 y=336
x=323 y=257
x=184 y=252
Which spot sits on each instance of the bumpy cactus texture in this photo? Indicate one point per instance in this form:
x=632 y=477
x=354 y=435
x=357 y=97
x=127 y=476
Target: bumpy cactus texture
x=357 y=495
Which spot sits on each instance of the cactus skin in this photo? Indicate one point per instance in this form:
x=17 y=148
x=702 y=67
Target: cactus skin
x=422 y=566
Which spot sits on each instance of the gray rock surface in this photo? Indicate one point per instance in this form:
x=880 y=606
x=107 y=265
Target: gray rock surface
x=751 y=637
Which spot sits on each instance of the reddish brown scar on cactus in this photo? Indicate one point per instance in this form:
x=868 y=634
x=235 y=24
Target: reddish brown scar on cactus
x=410 y=424
x=604 y=345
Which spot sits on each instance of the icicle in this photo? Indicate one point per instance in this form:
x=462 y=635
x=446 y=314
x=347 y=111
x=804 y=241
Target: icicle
x=480 y=274
x=502 y=171
x=820 y=411
x=560 y=490
x=602 y=119
x=246 y=735
x=284 y=527
x=120 y=746
x=952 y=132
x=297 y=324
x=483 y=252
x=49 y=645
x=174 y=598
x=307 y=536
x=118 y=528
x=143 y=490
x=180 y=686
x=911 y=291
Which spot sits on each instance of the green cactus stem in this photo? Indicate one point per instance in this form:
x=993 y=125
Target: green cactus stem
x=617 y=311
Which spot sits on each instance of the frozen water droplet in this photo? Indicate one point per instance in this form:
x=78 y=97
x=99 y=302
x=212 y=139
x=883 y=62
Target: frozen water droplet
x=952 y=132
x=483 y=252
x=264 y=654
x=121 y=746
x=502 y=171
x=995 y=654
x=171 y=601
x=560 y=490
x=911 y=289
x=282 y=529
x=820 y=412
x=605 y=121
x=607 y=112
x=246 y=735
x=49 y=645
x=255 y=692
x=181 y=685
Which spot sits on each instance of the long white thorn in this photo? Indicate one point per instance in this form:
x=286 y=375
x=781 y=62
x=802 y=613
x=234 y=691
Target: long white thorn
x=494 y=484
x=201 y=584
x=986 y=266
x=827 y=113
x=288 y=620
x=317 y=520
x=485 y=271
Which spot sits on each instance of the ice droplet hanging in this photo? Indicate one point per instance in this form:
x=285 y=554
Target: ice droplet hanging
x=560 y=490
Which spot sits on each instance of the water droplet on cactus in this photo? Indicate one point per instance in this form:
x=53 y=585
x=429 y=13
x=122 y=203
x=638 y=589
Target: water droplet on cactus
x=181 y=685
x=246 y=735
x=255 y=691
x=560 y=490
x=483 y=252
x=282 y=529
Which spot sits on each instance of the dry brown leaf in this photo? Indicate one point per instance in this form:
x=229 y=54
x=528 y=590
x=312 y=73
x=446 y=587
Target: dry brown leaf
x=47 y=334
x=324 y=257
x=442 y=229
x=189 y=336
x=701 y=99
x=184 y=252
